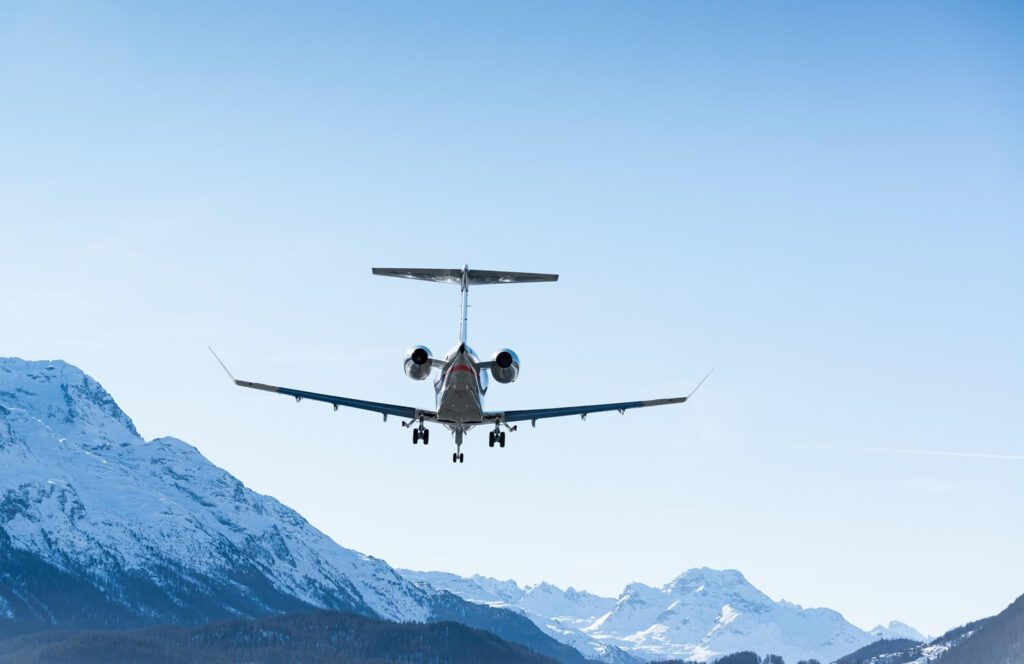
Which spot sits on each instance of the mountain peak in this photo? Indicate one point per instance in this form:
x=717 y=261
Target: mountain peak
x=898 y=630
x=66 y=400
x=705 y=578
x=169 y=533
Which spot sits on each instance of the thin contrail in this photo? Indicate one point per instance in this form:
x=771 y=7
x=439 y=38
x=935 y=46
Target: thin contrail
x=968 y=455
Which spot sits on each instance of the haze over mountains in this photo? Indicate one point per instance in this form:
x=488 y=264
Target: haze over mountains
x=101 y=529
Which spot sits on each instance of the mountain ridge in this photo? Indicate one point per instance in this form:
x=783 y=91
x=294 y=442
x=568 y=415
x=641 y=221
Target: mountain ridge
x=102 y=529
x=700 y=614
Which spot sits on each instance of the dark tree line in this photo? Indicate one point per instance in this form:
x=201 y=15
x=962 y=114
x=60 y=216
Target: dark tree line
x=315 y=638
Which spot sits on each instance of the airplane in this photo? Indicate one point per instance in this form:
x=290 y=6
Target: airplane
x=462 y=379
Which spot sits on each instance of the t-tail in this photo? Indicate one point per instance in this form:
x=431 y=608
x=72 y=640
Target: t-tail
x=464 y=278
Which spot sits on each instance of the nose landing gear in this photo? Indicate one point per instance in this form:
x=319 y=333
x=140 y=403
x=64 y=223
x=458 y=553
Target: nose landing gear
x=458 y=456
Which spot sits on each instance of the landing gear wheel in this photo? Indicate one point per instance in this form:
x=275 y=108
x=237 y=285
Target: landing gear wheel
x=462 y=457
x=501 y=439
x=490 y=439
x=455 y=457
x=425 y=436
x=415 y=436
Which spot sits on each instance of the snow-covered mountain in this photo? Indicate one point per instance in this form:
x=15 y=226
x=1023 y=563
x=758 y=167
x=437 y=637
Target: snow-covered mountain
x=100 y=528
x=559 y=613
x=897 y=630
x=701 y=614
x=155 y=524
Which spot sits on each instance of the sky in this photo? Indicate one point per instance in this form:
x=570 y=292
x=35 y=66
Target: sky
x=822 y=200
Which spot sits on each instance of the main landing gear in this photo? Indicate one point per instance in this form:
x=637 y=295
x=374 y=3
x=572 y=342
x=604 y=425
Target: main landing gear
x=496 y=437
x=458 y=457
x=421 y=433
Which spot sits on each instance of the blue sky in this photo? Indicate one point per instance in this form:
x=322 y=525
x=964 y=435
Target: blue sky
x=822 y=199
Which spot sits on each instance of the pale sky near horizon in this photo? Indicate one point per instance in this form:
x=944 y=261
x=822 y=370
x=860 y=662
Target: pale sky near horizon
x=822 y=199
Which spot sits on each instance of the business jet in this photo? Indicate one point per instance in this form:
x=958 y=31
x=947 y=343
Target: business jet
x=461 y=382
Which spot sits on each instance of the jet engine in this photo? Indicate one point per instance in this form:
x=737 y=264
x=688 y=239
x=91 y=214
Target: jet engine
x=505 y=366
x=417 y=362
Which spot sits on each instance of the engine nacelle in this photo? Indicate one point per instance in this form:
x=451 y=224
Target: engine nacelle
x=417 y=362
x=505 y=366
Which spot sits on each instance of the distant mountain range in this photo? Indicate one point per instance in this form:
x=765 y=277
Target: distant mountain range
x=699 y=615
x=100 y=530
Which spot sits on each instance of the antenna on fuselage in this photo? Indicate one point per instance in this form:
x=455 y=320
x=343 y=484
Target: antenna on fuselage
x=464 y=278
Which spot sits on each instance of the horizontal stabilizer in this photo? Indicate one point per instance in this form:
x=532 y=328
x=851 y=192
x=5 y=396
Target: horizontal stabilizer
x=464 y=276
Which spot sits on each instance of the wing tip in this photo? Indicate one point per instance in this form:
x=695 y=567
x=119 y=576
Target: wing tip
x=694 y=390
x=222 y=365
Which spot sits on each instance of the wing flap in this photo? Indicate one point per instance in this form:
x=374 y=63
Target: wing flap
x=384 y=409
x=375 y=406
x=583 y=411
x=544 y=413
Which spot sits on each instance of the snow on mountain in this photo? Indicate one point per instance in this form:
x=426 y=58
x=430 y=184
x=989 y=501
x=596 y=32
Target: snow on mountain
x=699 y=615
x=84 y=493
x=102 y=529
x=476 y=588
x=559 y=613
x=703 y=613
x=571 y=607
x=897 y=630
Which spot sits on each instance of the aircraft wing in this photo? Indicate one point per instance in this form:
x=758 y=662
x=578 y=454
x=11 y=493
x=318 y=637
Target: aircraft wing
x=543 y=413
x=384 y=409
x=583 y=411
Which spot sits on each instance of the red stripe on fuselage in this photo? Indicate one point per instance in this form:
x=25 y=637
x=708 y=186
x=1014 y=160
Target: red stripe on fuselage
x=461 y=367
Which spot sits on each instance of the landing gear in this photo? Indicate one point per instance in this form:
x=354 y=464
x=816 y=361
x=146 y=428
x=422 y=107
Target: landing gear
x=421 y=433
x=501 y=439
x=458 y=456
x=496 y=437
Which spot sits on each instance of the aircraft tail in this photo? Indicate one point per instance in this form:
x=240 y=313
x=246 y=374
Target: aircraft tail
x=464 y=278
